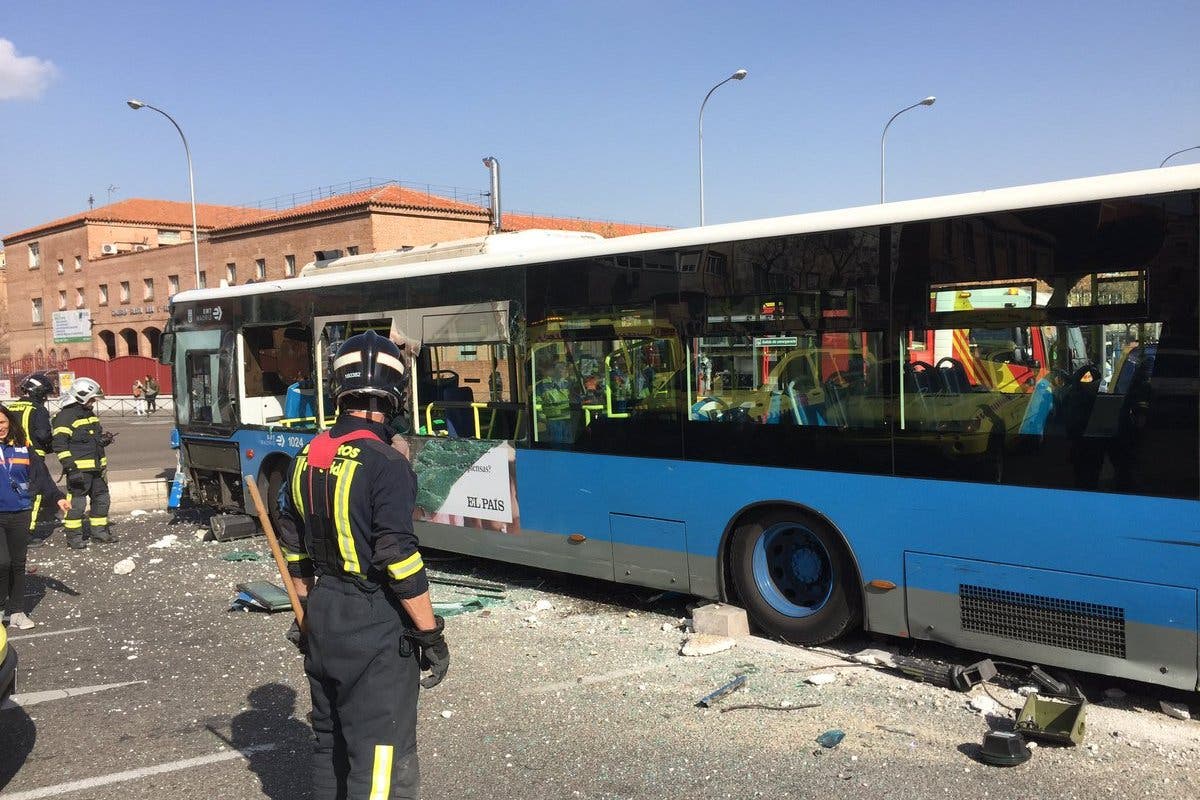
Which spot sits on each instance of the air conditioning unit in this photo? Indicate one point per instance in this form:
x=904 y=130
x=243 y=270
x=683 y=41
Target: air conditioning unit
x=137 y=248
x=108 y=250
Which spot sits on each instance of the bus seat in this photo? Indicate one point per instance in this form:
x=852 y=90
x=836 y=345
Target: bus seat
x=461 y=418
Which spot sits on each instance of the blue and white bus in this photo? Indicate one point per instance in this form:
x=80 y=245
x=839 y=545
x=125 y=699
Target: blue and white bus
x=805 y=415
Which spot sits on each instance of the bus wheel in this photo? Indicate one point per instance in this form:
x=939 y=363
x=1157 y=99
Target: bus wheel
x=795 y=577
x=270 y=492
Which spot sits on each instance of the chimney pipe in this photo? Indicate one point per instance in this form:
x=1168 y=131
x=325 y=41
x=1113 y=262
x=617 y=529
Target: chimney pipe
x=493 y=165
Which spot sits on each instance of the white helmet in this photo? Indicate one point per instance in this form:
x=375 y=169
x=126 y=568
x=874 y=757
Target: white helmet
x=83 y=391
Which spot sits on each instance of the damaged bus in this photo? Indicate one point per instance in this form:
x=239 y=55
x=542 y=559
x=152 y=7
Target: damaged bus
x=969 y=419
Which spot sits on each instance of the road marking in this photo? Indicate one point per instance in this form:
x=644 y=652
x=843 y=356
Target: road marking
x=49 y=633
x=34 y=698
x=587 y=680
x=135 y=774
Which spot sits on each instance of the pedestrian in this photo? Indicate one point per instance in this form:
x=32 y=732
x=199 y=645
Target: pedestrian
x=346 y=516
x=23 y=477
x=35 y=422
x=150 y=387
x=139 y=404
x=79 y=443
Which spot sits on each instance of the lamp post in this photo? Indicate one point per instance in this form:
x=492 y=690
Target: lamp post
x=135 y=105
x=1177 y=152
x=737 y=76
x=928 y=101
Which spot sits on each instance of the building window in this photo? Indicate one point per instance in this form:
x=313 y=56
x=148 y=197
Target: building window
x=79 y=297
x=326 y=255
x=62 y=299
x=103 y=294
x=60 y=266
x=169 y=237
x=148 y=288
x=37 y=311
x=78 y=263
x=260 y=268
x=35 y=256
x=203 y=279
x=124 y=291
x=172 y=284
x=289 y=266
x=231 y=273
x=352 y=250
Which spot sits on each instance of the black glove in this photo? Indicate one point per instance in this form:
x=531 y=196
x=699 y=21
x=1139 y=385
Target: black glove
x=432 y=652
x=107 y=438
x=296 y=636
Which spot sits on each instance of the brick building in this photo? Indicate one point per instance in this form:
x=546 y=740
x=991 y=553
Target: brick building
x=119 y=264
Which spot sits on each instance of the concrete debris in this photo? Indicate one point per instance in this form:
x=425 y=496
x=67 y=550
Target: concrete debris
x=200 y=535
x=543 y=605
x=1114 y=694
x=669 y=626
x=702 y=644
x=983 y=704
x=164 y=542
x=1174 y=710
x=124 y=566
x=137 y=512
x=447 y=714
x=720 y=619
x=154 y=561
x=1025 y=691
x=874 y=657
x=821 y=678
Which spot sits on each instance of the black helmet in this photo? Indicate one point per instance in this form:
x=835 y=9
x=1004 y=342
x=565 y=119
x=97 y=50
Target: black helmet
x=371 y=365
x=37 y=386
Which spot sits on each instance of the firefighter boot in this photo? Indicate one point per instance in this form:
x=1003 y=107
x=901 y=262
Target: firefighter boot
x=102 y=534
x=75 y=541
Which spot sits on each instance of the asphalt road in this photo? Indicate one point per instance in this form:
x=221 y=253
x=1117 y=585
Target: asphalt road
x=587 y=698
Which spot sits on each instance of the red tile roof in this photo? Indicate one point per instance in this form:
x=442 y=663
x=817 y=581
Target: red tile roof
x=139 y=211
x=389 y=196
x=524 y=222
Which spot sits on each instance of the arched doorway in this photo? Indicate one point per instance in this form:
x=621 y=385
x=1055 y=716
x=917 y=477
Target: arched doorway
x=53 y=356
x=129 y=342
x=153 y=338
x=66 y=354
x=108 y=344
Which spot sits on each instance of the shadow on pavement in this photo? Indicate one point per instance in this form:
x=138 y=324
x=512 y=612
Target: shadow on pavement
x=37 y=585
x=284 y=770
x=17 y=735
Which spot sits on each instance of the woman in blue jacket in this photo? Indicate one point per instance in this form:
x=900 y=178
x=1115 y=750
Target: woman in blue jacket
x=23 y=476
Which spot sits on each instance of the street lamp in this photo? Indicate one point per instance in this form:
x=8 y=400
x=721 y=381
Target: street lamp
x=1177 y=152
x=737 y=76
x=135 y=105
x=928 y=101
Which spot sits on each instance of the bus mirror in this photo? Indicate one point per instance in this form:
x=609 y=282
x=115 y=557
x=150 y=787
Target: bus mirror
x=166 y=353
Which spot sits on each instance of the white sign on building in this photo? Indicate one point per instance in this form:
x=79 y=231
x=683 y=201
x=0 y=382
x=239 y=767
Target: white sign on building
x=72 y=326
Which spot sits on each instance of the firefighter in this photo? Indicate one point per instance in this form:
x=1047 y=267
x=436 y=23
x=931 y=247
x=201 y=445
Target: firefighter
x=346 y=516
x=554 y=396
x=79 y=443
x=35 y=421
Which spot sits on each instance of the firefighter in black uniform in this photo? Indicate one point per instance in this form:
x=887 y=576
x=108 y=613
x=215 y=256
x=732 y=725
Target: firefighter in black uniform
x=346 y=516
x=35 y=421
x=79 y=443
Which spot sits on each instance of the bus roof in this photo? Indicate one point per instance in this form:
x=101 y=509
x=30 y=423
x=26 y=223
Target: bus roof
x=376 y=266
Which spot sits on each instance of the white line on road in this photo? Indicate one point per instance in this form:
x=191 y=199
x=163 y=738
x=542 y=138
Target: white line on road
x=49 y=633
x=33 y=698
x=135 y=774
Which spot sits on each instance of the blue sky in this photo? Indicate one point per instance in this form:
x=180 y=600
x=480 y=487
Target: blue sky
x=590 y=107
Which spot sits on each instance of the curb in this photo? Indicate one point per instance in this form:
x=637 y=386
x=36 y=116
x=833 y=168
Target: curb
x=144 y=494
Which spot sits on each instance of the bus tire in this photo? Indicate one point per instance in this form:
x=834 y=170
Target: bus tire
x=269 y=484
x=795 y=577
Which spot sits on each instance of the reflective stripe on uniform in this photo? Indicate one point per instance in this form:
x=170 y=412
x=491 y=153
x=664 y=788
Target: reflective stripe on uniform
x=406 y=568
x=72 y=524
x=381 y=773
x=341 y=517
x=37 y=506
x=297 y=496
x=292 y=557
x=98 y=520
x=63 y=429
x=86 y=463
x=84 y=421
